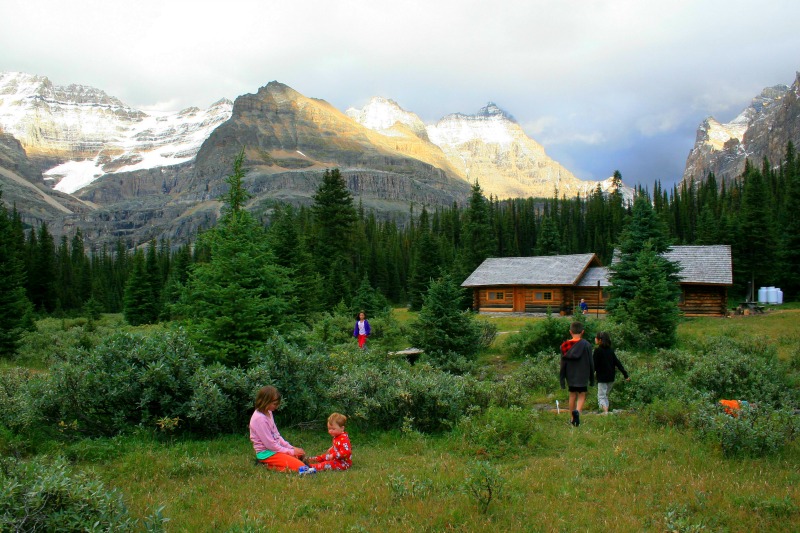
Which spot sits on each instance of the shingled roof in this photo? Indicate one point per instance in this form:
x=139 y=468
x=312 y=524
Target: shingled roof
x=708 y=265
x=542 y=270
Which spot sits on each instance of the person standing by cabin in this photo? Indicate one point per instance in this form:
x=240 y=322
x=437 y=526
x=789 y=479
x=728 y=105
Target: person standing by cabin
x=584 y=307
x=606 y=365
x=362 y=330
x=577 y=370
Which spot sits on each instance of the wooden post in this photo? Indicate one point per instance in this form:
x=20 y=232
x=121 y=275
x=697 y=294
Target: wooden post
x=599 y=299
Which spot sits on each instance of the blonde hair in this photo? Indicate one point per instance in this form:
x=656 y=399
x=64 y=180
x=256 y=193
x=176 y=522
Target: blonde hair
x=338 y=419
x=265 y=397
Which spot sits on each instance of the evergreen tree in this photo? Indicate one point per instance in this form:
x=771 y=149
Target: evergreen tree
x=442 y=327
x=755 y=244
x=478 y=235
x=15 y=308
x=42 y=270
x=139 y=302
x=233 y=301
x=333 y=242
x=652 y=313
x=548 y=241
x=644 y=235
x=425 y=264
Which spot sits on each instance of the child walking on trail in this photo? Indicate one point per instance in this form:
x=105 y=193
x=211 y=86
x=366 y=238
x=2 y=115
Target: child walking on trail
x=338 y=456
x=577 y=370
x=606 y=364
x=271 y=449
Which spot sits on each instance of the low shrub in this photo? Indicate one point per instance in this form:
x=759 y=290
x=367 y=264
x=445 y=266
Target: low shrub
x=673 y=412
x=498 y=431
x=539 y=336
x=392 y=395
x=651 y=382
x=538 y=373
x=743 y=369
x=756 y=431
x=126 y=380
x=50 y=497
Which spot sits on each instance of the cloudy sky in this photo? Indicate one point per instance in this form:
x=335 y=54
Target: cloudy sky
x=601 y=84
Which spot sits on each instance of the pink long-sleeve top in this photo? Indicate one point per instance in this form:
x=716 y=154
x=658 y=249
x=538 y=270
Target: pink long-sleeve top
x=265 y=436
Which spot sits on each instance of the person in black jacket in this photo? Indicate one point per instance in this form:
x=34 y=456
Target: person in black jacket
x=606 y=364
x=577 y=369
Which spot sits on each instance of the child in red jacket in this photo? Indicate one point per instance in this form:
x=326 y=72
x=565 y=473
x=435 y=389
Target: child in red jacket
x=338 y=456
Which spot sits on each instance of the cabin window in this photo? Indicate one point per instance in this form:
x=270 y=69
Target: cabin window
x=497 y=295
x=543 y=296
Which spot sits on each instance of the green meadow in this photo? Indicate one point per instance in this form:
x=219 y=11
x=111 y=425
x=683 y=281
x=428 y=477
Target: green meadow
x=513 y=466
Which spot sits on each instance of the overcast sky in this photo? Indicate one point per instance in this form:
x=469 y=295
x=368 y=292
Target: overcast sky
x=602 y=85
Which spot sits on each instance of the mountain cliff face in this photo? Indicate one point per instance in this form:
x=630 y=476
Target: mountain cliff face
x=489 y=147
x=761 y=130
x=139 y=176
x=23 y=187
x=75 y=134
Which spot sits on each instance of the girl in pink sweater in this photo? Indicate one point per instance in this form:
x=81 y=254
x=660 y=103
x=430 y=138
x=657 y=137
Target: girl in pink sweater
x=271 y=449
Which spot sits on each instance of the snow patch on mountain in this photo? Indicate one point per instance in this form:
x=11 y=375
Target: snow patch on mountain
x=381 y=114
x=96 y=134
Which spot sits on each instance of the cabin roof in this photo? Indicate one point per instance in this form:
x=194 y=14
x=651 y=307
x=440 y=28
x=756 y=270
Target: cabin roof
x=711 y=265
x=541 y=270
x=702 y=265
x=593 y=275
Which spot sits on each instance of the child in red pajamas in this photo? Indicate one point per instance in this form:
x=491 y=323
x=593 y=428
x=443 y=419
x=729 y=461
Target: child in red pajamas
x=338 y=456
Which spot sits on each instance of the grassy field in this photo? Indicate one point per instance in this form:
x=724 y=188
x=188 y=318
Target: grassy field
x=615 y=473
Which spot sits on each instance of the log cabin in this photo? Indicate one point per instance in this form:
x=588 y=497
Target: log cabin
x=557 y=283
x=532 y=284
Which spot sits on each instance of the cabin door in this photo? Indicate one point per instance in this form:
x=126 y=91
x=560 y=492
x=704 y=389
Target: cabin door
x=519 y=300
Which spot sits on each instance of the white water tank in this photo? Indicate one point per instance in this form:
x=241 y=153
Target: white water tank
x=762 y=295
x=772 y=295
x=780 y=296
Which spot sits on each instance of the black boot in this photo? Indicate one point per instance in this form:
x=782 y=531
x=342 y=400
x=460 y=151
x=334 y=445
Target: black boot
x=576 y=418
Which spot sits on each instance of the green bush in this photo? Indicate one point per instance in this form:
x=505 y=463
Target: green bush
x=757 y=431
x=498 y=431
x=126 y=380
x=303 y=378
x=742 y=369
x=536 y=373
x=673 y=412
x=539 y=337
x=651 y=382
x=50 y=497
x=392 y=395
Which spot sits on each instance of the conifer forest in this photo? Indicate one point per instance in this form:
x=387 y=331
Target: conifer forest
x=325 y=253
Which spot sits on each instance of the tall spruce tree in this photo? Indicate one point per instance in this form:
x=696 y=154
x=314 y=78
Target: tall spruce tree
x=15 y=308
x=443 y=328
x=235 y=300
x=139 y=301
x=332 y=246
x=641 y=262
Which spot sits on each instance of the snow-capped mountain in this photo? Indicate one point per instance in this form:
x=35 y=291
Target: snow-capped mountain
x=78 y=133
x=489 y=147
x=761 y=130
x=382 y=114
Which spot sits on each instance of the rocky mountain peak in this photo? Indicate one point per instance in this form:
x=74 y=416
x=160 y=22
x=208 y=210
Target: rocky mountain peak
x=760 y=130
x=381 y=114
x=491 y=110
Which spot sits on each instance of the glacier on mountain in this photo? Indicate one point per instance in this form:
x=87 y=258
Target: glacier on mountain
x=89 y=133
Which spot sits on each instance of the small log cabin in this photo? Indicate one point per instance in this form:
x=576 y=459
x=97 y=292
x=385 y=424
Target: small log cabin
x=534 y=284
x=706 y=274
x=558 y=283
